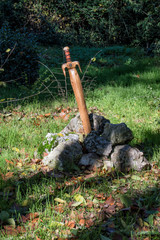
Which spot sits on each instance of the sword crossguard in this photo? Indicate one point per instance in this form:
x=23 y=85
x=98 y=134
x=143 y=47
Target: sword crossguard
x=70 y=65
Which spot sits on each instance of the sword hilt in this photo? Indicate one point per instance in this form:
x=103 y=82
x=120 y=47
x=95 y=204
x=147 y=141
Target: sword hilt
x=67 y=54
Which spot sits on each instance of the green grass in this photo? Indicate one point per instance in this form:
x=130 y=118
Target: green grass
x=125 y=89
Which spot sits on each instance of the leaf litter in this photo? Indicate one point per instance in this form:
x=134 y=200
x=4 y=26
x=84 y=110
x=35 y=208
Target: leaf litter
x=107 y=210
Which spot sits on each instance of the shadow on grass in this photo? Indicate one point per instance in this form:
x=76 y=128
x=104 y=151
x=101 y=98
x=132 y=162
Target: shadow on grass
x=124 y=76
x=151 y=144
x=130 y=213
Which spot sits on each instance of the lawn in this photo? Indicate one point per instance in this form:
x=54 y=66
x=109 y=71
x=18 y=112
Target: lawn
x=120 y=83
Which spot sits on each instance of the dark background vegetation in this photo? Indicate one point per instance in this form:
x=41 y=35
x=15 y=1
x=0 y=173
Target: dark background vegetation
x=71 y=22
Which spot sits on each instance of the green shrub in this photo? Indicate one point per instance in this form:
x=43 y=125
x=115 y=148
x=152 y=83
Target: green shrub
x=18 y=56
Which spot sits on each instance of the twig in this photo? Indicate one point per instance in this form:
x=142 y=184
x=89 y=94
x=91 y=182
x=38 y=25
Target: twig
x=8 y=55
x=59 y=86
x=89 y=65
x=19 y=99
x=48 y=90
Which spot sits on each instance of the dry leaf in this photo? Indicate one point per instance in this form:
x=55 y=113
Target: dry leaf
x=47 y=114
x=71 y=224
x=59 y=208
x=109 y=200
x=75 y=190
x=60 y=200
x=82 y=222
x=9 y=162
x=7 y=176
x=9 y=230
x=100 y=196
x=21 y=229
x=72 y=215
x=37 y=238
x=89 y=204
x=89 y=223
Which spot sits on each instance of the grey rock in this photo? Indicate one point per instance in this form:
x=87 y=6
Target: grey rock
x=75 y=125
x=64 y=155
x=117 y=133
x=125 y=158
x=107 y=164
x=94 y=143
x=97 y=122
x=54 y=139
x=91 y=159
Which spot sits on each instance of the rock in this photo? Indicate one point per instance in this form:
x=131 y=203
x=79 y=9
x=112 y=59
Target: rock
x=91 y=160
x=53 y=139
x=107 y=164
x=125 y=158
x=117 y=133
x=94 y=143
x=75 y=125
x=97 y=122
x=65 y=155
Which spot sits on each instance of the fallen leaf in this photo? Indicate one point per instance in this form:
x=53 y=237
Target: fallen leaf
x=16 y=149
x=89 y=223
x=40 y=116
x=79 y=198
x=25 y=202
x=135 y=177
x=37 y=238
x=7 y=175
x=75 y=190
x=35 y=220
x=71 y=224
x=111 y=209
x=37 y=160
x=29 y=216
x=82 y=222
x=60 y=200
x=11 y=222
x=56 y=224
x=89 y=204
x=109 y=200
x=59 y=208
x=76 y=204
x=100 y=196
x=47 y=115
x=9 y=162
x=9 y=230
x=21 y=229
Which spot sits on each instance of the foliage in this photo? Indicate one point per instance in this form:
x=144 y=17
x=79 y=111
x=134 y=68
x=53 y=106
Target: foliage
x=18 y=56
x=96 y=22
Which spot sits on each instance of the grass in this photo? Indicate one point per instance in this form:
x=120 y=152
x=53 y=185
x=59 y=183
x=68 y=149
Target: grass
x=113 y=205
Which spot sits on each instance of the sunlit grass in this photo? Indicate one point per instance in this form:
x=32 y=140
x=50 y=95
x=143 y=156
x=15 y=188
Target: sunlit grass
x=123 y=93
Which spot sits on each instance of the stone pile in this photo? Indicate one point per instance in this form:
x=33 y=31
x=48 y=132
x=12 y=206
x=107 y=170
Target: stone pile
x=105 y=147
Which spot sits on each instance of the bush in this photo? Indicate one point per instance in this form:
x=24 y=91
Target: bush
x=18 y=53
